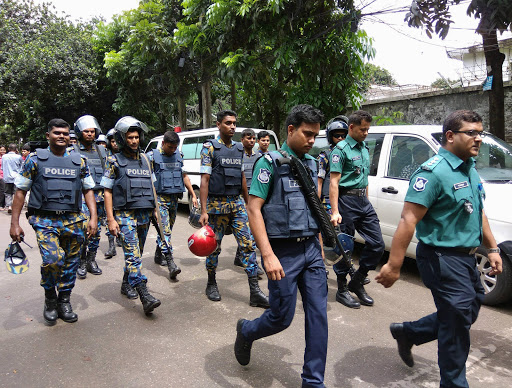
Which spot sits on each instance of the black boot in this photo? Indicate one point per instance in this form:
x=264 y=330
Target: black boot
x=64 y=308
x=343 y=296
x=174 y=270
x=258 y=298
x=111 y=248
x=159 y=257
x=126 y=289
x=260 y=271
x=50 y=307
x=81 y=272
x=149 y=302
x=352 y=271
x=356 y=286
x=118 y=242
x=92 y=266
x=242 y=346
x=238 y=258
x=212 y=291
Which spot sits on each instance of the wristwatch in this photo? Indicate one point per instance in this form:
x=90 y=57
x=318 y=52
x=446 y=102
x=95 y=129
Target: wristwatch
x=493 y=250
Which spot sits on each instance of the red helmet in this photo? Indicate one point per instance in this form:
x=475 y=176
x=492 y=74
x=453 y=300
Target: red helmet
x=202 y=242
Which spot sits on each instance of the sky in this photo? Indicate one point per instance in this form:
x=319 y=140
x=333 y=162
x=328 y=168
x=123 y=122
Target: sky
x=407 y=53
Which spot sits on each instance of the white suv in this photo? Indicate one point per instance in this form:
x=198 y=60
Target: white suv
x=395 y=153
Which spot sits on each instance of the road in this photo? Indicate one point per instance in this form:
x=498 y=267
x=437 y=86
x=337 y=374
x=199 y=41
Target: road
x=188 y=341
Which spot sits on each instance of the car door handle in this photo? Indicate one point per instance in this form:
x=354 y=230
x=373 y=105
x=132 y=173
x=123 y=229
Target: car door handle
x=390 y=189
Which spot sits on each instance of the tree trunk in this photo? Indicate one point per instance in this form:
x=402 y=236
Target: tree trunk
x=182 y=112
x=207 y=103
x=494 y=60
x=276 y=118
x=233 y=95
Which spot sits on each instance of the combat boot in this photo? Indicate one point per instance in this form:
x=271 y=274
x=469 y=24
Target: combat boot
x=149 y=302
x=92 y=266
x=126 y=289
x=50 y=307
x=64 y=308
x=343 y=296
x=356 y=286
x=212 y=291
x=258 y=298
x=159 y=257
x=81 y=272
x=118 y=242
x=352 y=271
x=111 y=248
x=238 y=258
x=242 y=346
x=174 y=270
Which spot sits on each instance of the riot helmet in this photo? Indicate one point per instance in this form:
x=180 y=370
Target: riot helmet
x=123 y=125
x=85 y=122
x=333 y=254
x=193 y=218
x=101 y=139
x=338 y=123
x=110 y=133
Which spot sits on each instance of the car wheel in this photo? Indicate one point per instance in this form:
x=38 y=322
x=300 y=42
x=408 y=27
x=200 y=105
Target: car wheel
x=498 y=288
x=190 y=205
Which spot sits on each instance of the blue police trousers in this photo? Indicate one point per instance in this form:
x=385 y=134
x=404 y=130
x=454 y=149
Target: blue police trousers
x=304 y=269
x=454 y=281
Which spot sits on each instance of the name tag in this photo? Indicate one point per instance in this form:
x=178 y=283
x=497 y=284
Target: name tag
x=358 y=157
x=293 y=183
x=460 y=185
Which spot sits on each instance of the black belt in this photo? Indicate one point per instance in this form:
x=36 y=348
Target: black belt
x=463 y=250
x=291 y=239
x=49 y=213
x=354 y=192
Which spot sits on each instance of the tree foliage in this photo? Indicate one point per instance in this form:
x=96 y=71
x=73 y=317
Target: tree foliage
x=47 y=69
x=444 y=83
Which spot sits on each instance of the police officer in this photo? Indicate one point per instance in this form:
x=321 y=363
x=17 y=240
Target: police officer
x=444 y=203
x=348 y=193
x=129 y=203
x=170 y=184
x=111 y=149
x=263 y=142
x=56 y=179
x=290 y=249
x=222 y=186
x=87 y=130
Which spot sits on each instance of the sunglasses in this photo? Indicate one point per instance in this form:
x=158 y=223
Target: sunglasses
x=472 y=133
x=339 y=135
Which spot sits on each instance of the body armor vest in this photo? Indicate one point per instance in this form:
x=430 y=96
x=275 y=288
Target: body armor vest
x=58 y=184
x=168 y=172
x=248 y=162
x=132 y=187
x=286 y=211
x=96 y=160
x=226 y=177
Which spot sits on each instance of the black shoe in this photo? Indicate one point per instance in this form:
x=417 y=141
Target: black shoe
x=242 y=346
x=81 y=272
x=128 y=290
x=343 y=296
x=404 y=345
x=174 y=270
x=238 y=256
x=257 y=298
x=64 y=309
x=149 y=302
x=50 y=313
x=356 y=286
x=111 y=248
x=92 y=266
x=159 y=257
x=212 y=291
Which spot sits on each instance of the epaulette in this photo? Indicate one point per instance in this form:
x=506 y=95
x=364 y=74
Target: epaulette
x=430 y=164
x=207 y=144
x=268 y=157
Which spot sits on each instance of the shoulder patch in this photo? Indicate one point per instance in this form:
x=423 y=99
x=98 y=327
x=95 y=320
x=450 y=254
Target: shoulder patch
x=264 y=176
x=207 y=144
x=420 y=184
x=335 y=158
x=430 y=164
x=206 y=159
x=268 y=157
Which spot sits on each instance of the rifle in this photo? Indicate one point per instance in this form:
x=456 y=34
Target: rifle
x=308 y=188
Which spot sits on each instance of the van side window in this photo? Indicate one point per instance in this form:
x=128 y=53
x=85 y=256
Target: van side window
x=153 y=145
x=374 y=143
x=192 y=146
x=407 y=155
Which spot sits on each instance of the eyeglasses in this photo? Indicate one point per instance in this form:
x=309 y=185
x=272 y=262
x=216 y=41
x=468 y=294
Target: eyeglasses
x=339 y=135
x=472 y=133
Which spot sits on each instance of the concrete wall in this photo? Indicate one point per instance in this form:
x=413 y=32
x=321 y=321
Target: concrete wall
x=433 y=107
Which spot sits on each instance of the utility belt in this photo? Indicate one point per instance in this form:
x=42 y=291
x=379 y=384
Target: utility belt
x=353 y=192
x=454 y=250
x=47 y=213
x=291 y=239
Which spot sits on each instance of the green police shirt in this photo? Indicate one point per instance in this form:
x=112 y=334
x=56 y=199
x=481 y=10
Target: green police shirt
x=453 y=193
x=352 y=160
x=262 y=176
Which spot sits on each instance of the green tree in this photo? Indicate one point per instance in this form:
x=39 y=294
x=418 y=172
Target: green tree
x=47 y=69
x=377 y=75
x=444 y=83
x=494 y=16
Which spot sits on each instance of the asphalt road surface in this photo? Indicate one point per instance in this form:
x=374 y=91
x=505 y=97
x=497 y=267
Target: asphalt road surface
x=188 y=341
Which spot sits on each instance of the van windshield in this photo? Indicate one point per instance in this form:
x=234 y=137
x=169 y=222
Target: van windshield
x=494 y=161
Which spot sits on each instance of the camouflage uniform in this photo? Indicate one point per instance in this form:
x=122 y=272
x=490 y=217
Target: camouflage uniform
x=59 y=236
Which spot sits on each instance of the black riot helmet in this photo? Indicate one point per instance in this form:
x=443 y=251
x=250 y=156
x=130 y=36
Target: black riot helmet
x=85 y=122
x=126 y=123
x=338 y=123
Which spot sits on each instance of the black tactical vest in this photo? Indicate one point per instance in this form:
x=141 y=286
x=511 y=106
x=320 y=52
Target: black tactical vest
x=226 y=177
x=248 y=162
x=327 y=179
x=58 y=184
x=168 y=172
x=96 y=161
x=132 y=187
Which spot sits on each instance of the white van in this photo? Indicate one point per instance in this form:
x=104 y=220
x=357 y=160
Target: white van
x=391 y=153
x=191 y=143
